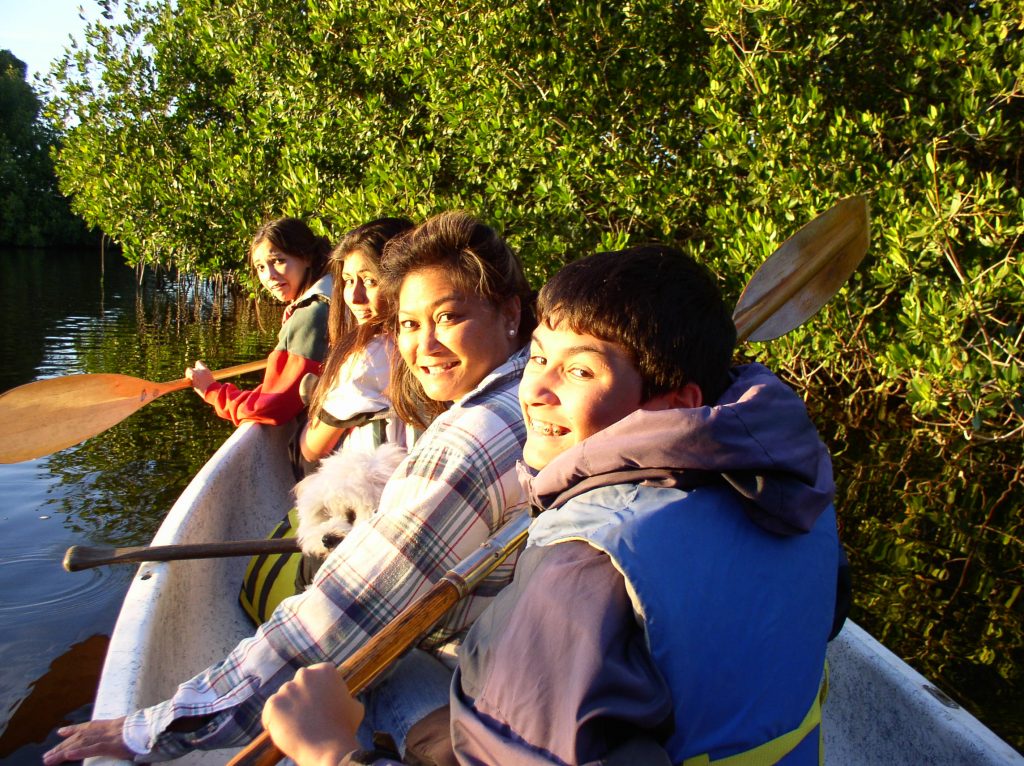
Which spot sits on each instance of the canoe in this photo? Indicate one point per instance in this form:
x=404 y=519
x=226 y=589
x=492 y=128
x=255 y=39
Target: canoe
x=179 y=617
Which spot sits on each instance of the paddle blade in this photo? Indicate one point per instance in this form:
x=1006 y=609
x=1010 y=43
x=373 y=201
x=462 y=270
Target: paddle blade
x=804 y=273
x=47 y=416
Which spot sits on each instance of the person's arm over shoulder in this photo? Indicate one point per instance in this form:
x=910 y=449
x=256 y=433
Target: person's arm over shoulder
x=558 y=666
x=301 y=347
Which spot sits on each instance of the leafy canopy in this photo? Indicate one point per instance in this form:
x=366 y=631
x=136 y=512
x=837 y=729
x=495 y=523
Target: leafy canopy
x=720 y=125
x=32 y=212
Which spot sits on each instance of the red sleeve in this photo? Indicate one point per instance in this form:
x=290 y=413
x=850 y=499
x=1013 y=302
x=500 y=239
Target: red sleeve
x=275 y=401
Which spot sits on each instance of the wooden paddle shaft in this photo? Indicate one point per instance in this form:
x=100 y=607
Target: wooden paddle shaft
x=79 y=557
x=227 y=372
x=364 y=665
x=372 y=658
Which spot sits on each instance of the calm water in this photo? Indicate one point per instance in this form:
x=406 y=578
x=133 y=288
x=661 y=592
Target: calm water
x=943 y=596
x=59 y=316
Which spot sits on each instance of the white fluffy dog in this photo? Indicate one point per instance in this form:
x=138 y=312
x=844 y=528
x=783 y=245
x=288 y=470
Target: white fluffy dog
x=344 y=491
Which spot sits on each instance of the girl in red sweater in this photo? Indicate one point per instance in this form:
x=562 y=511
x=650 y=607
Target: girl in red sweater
x=291 y=264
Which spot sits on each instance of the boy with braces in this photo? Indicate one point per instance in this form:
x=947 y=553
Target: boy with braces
x=676 y=595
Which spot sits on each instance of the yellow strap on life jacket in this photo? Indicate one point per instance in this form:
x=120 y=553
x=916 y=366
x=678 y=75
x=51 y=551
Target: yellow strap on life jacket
x=270 y=577
x=775 y=750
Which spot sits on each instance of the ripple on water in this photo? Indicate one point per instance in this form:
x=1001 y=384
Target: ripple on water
x=31 y=592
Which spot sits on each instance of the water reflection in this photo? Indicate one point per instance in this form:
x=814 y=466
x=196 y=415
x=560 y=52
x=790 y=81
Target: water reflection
x=69 y=684
x=36 y=598
x=57 y=317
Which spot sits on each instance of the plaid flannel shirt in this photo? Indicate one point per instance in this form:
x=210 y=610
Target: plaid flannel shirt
x=456 y=487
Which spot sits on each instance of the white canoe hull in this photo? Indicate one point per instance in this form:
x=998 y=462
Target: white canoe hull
x=180 y=617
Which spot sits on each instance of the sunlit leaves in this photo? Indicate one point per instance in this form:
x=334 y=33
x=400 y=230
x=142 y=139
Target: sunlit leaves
x=721 y=126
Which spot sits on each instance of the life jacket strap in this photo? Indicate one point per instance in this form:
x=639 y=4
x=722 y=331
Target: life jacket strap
x=775 y=750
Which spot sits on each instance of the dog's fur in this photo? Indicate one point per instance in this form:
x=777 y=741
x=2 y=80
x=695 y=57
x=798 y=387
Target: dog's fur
x=343 y=492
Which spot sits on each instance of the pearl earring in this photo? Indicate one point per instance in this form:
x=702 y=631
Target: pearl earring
x=511 y=333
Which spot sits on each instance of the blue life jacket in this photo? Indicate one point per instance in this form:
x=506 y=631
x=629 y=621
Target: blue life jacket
x=736 y=618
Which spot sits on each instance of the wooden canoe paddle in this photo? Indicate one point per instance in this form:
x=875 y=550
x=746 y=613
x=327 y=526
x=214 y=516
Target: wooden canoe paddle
x=791 y=286
x=46 y=416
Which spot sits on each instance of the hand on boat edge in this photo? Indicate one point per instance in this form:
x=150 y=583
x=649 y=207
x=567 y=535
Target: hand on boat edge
x=89 y=739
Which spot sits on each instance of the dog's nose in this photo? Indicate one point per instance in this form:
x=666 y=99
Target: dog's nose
x=331 y=540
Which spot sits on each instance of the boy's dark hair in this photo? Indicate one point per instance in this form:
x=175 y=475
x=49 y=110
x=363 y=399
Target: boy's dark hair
x=658 y=304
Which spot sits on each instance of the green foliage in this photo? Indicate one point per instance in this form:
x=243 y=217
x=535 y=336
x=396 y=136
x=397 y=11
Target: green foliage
x=32 y=212
x=577 y=125
x=574 y=125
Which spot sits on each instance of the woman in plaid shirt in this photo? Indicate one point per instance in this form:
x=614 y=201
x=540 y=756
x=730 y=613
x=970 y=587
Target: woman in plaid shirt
x=462 y=317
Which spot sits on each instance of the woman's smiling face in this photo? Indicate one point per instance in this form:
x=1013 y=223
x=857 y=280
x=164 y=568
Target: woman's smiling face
x=451 y=341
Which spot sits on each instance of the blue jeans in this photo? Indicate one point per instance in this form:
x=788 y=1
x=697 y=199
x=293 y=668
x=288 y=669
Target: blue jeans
x=414 y=686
